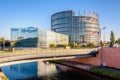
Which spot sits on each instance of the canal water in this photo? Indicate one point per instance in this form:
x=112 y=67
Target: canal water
x=47 y=71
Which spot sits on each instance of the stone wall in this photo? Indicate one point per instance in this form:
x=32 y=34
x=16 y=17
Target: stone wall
x=90 y=60
x=107 y=57
x=111 y=57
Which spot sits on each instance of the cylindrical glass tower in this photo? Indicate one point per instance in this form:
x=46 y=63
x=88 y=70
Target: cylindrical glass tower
x=81 y=28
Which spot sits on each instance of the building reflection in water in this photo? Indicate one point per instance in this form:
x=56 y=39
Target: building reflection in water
x=47 y=71
x=18 y=71
x=46 y=68
x=30 y=70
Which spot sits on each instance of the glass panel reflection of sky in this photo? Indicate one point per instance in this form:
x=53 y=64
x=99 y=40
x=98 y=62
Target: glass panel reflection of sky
x=31 y=71
x=29 y=32
x=47 y=71
x=19 y=71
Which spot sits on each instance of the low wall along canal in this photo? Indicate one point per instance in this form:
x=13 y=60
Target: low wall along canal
x=109 y=57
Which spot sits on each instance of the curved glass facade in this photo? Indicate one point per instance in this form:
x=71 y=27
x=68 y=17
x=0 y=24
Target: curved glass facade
x=81 y=29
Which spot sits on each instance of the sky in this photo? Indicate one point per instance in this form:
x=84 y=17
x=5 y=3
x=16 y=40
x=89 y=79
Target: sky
x=37 y=13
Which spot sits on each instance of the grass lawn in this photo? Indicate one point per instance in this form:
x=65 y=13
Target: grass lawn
x=106 y=72
x=2 y=75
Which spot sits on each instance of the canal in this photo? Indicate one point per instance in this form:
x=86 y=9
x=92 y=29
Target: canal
x=47 y=71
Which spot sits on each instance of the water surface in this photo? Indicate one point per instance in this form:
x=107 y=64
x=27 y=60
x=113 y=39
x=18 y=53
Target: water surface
x=47 y=71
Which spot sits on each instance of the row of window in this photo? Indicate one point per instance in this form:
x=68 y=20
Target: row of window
x=95 y=35
x=73 y=29
x=69 y=19
x=62 y=14
x=75 y=25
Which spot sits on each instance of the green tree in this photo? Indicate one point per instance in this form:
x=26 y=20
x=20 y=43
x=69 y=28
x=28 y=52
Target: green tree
x=72 y=44
x=4 y=42
x=101 y=43
x=1 y=41
x=77 y=46
x=7 y=42
x=118 y=40
x=112 y=38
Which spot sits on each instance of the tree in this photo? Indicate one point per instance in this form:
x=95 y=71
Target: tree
x=112 y=38
x=101 y=43
x=72 y=44
x=118 y=40
x=1 y=41
x=7 y=42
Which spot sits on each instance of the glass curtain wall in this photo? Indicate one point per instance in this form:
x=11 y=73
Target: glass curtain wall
x=81 y=28
x=25 y=37
x=47 y=37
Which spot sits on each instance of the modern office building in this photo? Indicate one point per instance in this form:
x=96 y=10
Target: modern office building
x=46 y=37
x=36 y=37
x=80 y=28
x=23 y=33
x=25 y=37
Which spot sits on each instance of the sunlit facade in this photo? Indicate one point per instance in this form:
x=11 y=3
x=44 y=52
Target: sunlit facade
x=47 y=37
x=36 y=37
x=81 y=28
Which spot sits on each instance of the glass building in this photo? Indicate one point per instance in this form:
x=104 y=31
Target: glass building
x=81 y=28
x=25 y=37
x=47 y=37
x=36 y=37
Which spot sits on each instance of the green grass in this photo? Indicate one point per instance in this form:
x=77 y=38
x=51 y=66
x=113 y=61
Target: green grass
x=4 y=78
x=106 y=72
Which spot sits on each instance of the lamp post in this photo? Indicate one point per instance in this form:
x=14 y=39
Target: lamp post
x=104 y=33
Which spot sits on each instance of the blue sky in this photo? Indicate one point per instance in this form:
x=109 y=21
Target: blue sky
x=37 y=13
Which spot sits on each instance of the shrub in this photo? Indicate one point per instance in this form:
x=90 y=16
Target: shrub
x=105 y=44
x=91 y=45
x=74 y=45
x=61 y=45
x=77 y=46
x=52 y=45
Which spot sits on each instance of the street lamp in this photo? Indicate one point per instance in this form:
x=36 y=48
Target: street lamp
x=104 y=33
